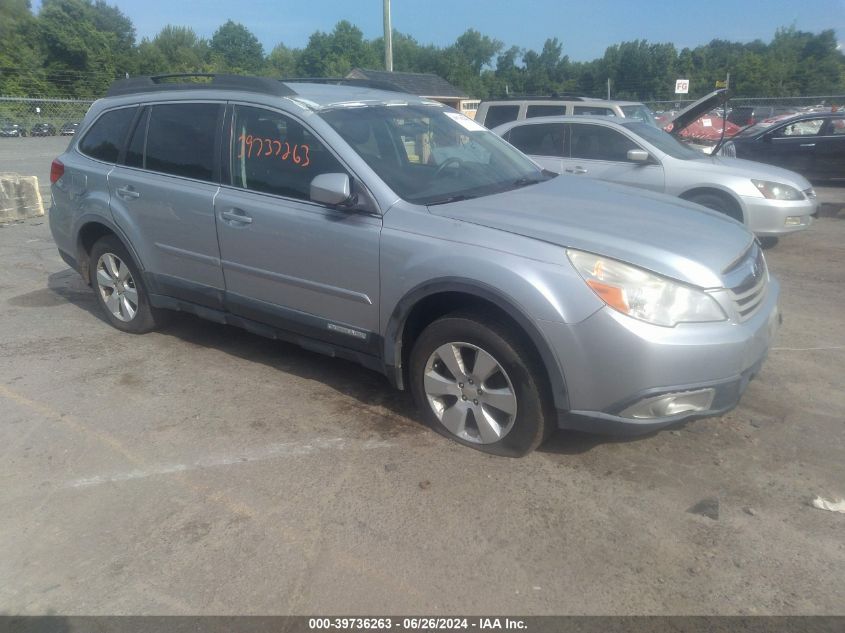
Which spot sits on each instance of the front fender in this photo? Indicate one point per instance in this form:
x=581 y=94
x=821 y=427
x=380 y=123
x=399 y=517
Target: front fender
x=396 y=326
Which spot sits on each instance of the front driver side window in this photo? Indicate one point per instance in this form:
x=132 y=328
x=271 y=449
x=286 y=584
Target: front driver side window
x=800 y=128
x=272 y=153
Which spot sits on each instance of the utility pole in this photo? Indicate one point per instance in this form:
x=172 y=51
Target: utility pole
x=388 y=38
x=608 y=88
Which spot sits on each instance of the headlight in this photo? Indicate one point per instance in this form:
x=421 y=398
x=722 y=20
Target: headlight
x=644 y=295
x=777 y=190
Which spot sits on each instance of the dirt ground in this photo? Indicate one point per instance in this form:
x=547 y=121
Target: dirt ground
x=204 y=470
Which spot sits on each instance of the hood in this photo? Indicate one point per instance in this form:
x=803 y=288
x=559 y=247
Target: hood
x=650 y=230
x=723 y=165
x=695 y=111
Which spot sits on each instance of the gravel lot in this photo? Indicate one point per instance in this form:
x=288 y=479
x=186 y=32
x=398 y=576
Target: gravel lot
x=204 y=470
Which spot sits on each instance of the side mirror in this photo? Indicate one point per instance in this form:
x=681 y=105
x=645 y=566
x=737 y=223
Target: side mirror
x=330 y=189
x=638 y=155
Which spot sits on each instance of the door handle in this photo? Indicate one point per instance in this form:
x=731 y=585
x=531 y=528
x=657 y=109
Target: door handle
x=576 y=170
x=128 y=193
x=236 y=215
x=808 y=144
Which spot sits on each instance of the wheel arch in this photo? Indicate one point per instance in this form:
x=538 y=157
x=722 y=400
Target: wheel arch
x=428 y=301
x=722 y=192
x=92 y=227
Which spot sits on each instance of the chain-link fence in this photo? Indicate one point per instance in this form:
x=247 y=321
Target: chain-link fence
x=27 y=113
x=795 y=104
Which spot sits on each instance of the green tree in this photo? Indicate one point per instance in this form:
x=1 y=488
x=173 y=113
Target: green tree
x=78 y=56
x=235 y=49
x=282 y=62
x=175 y=49
x=21 y=71
x=109 y=19
x=335 y=54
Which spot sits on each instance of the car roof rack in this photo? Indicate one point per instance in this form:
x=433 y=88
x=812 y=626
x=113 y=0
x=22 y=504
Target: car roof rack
x=555 y=96
x=165 y=83
x=343 y=81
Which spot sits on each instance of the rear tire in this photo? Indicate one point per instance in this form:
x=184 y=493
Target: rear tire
x=479 y=384
x=119 y=288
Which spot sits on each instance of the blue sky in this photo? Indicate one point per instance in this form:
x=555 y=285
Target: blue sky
x=586 y=27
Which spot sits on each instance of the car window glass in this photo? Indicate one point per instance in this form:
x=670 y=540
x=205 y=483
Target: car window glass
x=639 y=113
x=837 y=127
x=272 y=153
x=431 y=154
x=545 y=110
x=499 y=114
x=106 y=137
x=180 y=139
x=135 y=149
x=593 y=110
x=800 y=128
x=544 y=139
x=596 y=142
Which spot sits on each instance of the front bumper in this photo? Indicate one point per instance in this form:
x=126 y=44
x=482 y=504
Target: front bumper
x=612 y=362
x=771 y=218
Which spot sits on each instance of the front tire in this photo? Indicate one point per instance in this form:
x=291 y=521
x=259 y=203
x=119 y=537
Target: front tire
x=480 y=385
x=119 y=288
x=717 y=202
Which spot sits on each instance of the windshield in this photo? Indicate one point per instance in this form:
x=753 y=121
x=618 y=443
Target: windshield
x=663 y=141
x=639 y=113
x=432 y=154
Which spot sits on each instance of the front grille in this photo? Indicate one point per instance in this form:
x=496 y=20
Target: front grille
x=747 y=281
x=729 y=150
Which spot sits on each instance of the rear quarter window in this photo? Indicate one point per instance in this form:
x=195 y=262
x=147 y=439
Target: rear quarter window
x=499 y=114
x=544 y=110
x=106 y=137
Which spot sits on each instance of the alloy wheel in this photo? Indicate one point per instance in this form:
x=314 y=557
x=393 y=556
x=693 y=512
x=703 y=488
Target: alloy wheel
x=117 y=287
x=470 y=392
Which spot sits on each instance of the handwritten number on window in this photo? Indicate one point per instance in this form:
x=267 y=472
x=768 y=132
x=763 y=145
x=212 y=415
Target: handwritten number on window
x=262 y=147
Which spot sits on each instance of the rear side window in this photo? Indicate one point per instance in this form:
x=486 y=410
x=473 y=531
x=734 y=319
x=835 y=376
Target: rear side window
x=106 y=137
x=545 y=110
x=593 y=110
x=180 y=139
x=498 y=114
x=544 y=139
x=272 y=153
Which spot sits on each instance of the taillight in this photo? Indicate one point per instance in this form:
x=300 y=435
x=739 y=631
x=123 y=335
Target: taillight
x=57 y=170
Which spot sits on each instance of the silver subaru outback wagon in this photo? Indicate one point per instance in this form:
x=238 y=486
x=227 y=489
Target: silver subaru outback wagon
x=393 y=231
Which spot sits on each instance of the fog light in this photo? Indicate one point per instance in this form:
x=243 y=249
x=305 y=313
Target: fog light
x=670 y=404
x=794 y=220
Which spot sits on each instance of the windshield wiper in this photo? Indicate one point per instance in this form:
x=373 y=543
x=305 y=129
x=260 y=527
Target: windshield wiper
x=524 y=182
x=456 y=198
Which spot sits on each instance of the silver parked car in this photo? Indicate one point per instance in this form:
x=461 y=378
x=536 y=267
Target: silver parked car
x=771 y=201
x=493 y=113
x=396 y=232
